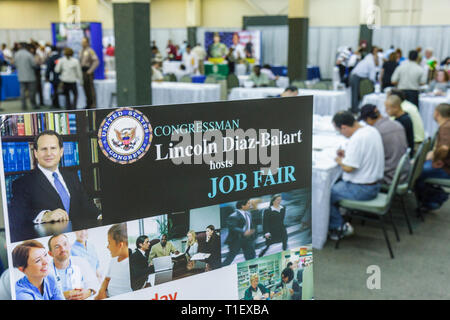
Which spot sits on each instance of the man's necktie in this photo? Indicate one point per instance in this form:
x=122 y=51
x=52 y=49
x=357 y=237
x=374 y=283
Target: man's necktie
x=247 y=220
x=65 y=198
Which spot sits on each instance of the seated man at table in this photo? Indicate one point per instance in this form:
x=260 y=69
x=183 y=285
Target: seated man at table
x=394 y=141
x=49 y=193
x=291 y=91
x=363 y=166
x=156 y=72
x=414 y=114
x=162 y=249
x=139 y=268
x=259 y=79
x=394 y=109
x=437 y=164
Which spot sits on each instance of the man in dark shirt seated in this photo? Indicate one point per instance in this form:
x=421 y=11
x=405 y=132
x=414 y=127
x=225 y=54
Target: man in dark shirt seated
x=394 y=141
x=394 y=109
x=437 y=164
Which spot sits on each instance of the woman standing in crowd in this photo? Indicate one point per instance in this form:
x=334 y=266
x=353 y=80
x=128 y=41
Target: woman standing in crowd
x=70 y=72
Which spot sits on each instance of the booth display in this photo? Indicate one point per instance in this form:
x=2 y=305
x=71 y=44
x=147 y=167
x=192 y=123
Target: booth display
x=168 y=199
x=68 y=35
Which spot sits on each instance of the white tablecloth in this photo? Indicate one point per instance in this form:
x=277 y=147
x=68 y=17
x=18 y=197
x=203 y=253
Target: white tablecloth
x=325 y=172
x=162 y=93
x=282 y=82
x=170 y=66
x=326 y=102
x=427 y=104
x=180 y=92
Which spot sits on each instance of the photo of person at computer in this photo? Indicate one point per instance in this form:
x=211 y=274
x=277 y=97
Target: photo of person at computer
x=265 y=225
x=174 y=246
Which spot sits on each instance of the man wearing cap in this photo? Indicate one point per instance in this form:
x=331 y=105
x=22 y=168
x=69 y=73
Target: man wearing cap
x=394 y=140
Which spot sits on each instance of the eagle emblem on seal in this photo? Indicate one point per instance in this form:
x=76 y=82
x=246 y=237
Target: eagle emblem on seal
x=126 y=138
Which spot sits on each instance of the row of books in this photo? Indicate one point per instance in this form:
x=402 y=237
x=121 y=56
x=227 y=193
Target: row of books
x=8 y=182
x=94 y=150
x=18 y=156
x=31 y=124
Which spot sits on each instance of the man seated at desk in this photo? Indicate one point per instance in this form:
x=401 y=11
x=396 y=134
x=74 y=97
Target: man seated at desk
x=139 y=268
x=259 y=79
x=49 y=193
x=162 y=249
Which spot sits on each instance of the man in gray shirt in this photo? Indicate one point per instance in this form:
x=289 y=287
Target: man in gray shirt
x=24 y=62
x=409 y=76
x=394 y=141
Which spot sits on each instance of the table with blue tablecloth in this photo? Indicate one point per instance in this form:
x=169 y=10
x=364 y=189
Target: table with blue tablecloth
x=313 y=72
x=10 y=86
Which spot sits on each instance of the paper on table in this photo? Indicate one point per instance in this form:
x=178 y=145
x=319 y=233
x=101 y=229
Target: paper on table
x=200 y=256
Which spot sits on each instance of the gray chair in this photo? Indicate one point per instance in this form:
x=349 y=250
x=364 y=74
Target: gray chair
x=210 y=79
x=299 y=84
x=320 y=86
x=186 y=78
x=232 y=81
x=378 y=208
x=406 y=188
x=365 y=87
x=170 y=77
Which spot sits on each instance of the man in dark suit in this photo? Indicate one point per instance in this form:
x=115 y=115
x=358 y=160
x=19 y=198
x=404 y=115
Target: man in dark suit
x=48 y=193
x=240 y=232
x=139 y=268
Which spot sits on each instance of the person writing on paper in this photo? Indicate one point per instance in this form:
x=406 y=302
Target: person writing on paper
x=31 y=258
x=49 y=193
x=117 y=280
x=162 y=249
x=256 y=291
x=74 y=276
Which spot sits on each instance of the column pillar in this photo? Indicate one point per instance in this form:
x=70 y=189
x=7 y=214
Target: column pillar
x=369 y=18
x=193 y=20
x=298 y=39
x=132 y=52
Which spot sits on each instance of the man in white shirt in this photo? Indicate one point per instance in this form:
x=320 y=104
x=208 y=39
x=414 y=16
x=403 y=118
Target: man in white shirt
x=117 y=280
x=362 y=163
x=200 y=53
x=74 y=276
x=366 y=69
x=409 y=76
x=238 y=49
x=190 y=61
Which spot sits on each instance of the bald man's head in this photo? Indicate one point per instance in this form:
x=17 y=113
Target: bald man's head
x=393 y=105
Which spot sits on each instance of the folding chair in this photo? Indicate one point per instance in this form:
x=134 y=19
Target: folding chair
x=378 y=207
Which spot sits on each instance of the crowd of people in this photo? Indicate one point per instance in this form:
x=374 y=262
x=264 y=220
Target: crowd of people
x=36 y=63
x=375 y=146
x=73 y=273
x=391 y=69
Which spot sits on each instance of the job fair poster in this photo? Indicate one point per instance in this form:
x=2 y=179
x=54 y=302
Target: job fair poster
x=208 y=201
